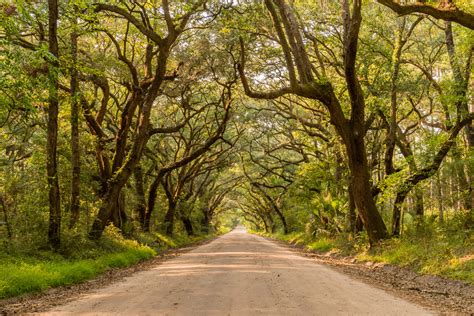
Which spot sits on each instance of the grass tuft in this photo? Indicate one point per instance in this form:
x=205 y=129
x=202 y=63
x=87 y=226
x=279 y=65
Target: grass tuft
x=321 y=245
x=23 y=275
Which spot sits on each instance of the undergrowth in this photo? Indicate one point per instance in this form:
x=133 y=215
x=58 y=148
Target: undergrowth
x=429 y=249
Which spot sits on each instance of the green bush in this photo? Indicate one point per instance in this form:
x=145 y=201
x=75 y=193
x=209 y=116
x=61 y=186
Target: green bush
x=31 y=270
x=321 y=245
x=429 y=248
x=426 y=247
x=79 y=259
x=35 y=275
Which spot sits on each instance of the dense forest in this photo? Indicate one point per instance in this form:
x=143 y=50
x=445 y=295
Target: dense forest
x=150 y=120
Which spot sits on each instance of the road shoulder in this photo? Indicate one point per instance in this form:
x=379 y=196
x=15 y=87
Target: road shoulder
x=40 y=302
x=449 y=297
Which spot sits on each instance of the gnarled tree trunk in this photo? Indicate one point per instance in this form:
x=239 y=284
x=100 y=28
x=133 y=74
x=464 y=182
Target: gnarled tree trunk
x=169 y=217
x=303 y=83
x=188 y=225
x=362 y=194
x=140 y=209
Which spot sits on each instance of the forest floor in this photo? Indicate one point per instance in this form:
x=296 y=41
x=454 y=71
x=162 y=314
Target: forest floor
x=241 y=274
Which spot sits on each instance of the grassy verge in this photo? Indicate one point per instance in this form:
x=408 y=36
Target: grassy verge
x=31 y=271
x=428 y=249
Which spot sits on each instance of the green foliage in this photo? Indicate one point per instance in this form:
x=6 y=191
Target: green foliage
x=25 y=275
x=294 y=238
x=321 y=245
x=430 y=249
x=426 y=247
x=79 y=259
x=35 y=271
x=177 y=241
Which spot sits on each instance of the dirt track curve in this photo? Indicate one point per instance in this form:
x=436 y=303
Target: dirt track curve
x=239 y=274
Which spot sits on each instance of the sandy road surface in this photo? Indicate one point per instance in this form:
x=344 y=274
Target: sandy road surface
x=240 y=274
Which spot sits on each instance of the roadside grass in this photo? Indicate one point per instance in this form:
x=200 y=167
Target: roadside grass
x=33 y=270
x=28 y=274
x=321 y=245
x=426 y=248
x=429 y=249
x=294 y=238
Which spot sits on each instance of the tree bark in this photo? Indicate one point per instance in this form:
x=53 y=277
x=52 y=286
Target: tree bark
x=75 y=149
x=355 y=223
x=419 y=202
x=150 y=206
x=448 y=13
x=143 y=96
x=392 y=123
x=205 y=222
x=119 y=216
x=282 y=218
x=462 y=180
x=440 y=198
x=424 y=173
x=461 y=80
x=140 y=209
x=188 y=225
x=54 y=230
x=5 y=217
x=354 y=133
x=271 y=224
x=123 y=166
x=265 y=224
x=169 y=217
x=274 y=206
x=397 y=212
x=364 y=201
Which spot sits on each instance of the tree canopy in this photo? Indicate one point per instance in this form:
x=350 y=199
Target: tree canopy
x=335 y=117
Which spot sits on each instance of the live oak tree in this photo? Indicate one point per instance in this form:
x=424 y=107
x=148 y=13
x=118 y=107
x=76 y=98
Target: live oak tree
x=144 y=92
x=411 y=120
x=305 y=82
x=269 y=163
x=181 y=160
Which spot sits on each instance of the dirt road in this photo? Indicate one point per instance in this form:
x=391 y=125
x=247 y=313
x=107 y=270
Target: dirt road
x=240 y=274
